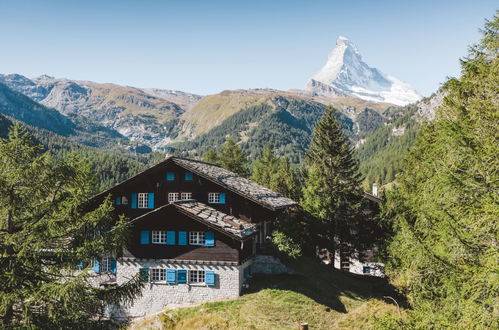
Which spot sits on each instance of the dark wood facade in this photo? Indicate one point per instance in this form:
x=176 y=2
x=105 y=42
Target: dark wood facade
x=226 y=248
x=154 y=180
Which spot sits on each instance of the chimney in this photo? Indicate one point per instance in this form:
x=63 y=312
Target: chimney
x=375 y=189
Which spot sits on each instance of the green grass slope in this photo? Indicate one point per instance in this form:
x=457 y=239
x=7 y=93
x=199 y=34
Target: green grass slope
x=322 y=297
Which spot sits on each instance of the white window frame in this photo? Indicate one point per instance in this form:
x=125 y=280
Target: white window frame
x=124 y=200
x=157 y=275
x=173 y=196
x=158 y=237
x=105 y=265
x=196 y=238
x=142 y=200
x=214 y=198
x=185 y=195
x=197 y=276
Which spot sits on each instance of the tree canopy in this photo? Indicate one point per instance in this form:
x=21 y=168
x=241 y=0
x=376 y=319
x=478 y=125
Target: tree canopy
x=444 y=252
x=45 y=234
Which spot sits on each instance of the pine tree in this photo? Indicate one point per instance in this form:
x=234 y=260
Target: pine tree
x=232 y=158
x=332 y=187
x=44 y=234
x=445 y=249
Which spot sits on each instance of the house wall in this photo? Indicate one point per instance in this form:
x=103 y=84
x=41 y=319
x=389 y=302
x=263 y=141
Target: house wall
x=225 y=249
x=357 y=267
x=157 y=297
x=154 y=181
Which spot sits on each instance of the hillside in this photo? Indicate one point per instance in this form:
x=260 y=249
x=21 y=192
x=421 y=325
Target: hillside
x=382 y=153
x=285 y=119
x=322 y=297
x=142 y=115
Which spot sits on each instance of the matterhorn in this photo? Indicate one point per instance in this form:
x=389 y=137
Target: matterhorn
x=345 y=74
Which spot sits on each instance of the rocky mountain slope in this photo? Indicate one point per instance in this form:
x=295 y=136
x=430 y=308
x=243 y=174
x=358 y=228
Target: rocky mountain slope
x=77 y=128
x=345 y=74
x=141 y=115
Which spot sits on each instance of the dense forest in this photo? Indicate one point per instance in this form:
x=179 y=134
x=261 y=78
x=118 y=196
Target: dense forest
x=443 y=213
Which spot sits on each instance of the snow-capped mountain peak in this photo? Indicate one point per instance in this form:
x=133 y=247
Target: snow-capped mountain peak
x=345 y=74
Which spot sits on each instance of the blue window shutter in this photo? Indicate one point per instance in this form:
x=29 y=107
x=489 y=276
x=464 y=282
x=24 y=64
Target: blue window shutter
x=118 y=200
x=246 y=272
x=182 y=276
x=144 y=274
x=170 y=237
x=182 y=238
x=222 y=198
x=170 y=176
x=134 y=200
x=209 y=238
x=209 y=278
x=171 y=275
x=188 y=176
x=113 y=265
x=96 y=266
x=80 y=265
x=144 y=237
x=150 y=200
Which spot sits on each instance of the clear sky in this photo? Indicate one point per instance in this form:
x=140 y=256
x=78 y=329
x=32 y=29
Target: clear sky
x=208 y=46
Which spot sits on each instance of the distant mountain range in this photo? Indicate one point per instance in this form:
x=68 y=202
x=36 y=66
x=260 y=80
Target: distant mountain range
x=147 y=119
x=345 y=74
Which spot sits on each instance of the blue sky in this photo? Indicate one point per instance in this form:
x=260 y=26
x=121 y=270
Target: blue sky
x=208 y=46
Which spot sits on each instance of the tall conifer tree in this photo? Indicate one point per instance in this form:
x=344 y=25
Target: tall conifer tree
x=44 y=235
x=332 y=187
x=232 y=158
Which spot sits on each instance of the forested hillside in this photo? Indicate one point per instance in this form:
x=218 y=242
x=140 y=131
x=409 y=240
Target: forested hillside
x=111 y=166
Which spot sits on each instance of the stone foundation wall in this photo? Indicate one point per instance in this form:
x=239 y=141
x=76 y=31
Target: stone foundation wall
x=157 y=297
x=269 y=265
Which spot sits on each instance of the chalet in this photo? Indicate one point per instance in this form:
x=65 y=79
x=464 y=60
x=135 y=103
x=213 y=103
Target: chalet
x=196 y=228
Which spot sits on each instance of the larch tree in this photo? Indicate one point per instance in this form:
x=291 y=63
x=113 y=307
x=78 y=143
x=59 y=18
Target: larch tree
x=445 y=212
x=45 y=234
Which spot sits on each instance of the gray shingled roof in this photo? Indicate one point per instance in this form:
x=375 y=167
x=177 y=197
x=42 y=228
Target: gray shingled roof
x=225 y=222
x=213 y=218
x=236 y=183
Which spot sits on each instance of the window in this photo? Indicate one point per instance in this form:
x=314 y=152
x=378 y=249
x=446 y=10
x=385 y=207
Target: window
x=196 y=238
x=196 y=276
x=185 y=195
x=124 y=200
x=172 y=197
x=188 y=176
x=366 y=270
x=213 y=198
x=158 y=275
x=158 y=237
x=105 y=265
x=170 y=176
x=142 y=204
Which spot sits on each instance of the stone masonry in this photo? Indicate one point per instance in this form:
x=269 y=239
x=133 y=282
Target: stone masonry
x=157 y=296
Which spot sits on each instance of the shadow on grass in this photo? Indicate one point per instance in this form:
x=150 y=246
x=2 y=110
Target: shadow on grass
x=326 y=285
